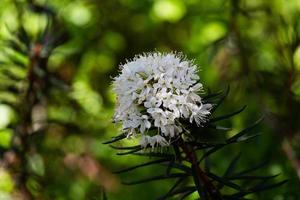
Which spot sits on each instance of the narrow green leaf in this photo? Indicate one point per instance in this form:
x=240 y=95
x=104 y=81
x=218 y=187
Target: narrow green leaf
x=41 y=9
x=169 y=166
x=130 y=152
x=188 y=189
x=251 y=169
x=169 y=193
x=212 y=150
x=224 y=181
x=231 y=140
x=215 y=119
x=15 y=46
x=141 y=165
x=221 y=100
x=232 y=165
x=17 y=62
x=257 y=189
x=117 y=138
x=252 y=177
x=155 y=178
x=23 y=36
x=247 y=137
x=180 y=167
x=153 y=154
x=267 y=187
x=212 y=95
x=245 y=131
x=200 y=146
x=217 y=127
x=124 y=148
x=187 y=194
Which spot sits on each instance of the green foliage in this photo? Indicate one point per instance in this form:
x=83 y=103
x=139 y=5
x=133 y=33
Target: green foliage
x=181 y=161
x=63 y=53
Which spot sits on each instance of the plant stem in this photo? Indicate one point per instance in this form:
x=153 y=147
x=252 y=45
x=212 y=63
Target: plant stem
x=204 y=186
x=291 y=155
x=30 y=100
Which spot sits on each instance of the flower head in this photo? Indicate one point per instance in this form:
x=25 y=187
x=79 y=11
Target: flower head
x=154 y=91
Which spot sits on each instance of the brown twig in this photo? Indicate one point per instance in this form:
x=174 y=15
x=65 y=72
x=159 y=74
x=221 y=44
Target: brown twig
x=29 y=101
x=291 y=155
x=202 y=180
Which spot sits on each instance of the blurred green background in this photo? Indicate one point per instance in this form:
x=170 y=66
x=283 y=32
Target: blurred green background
x=251 y=45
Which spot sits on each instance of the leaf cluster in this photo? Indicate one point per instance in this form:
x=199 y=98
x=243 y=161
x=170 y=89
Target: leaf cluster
x=187 y=160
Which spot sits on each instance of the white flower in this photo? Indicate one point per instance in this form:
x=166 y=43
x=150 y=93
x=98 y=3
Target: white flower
x=155 y=91
x=153 y=141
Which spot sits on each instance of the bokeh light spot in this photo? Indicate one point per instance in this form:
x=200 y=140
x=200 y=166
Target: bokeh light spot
x=86 y=97
x=297 y=58
x=212 y=32
x=5 y=115
x=5 y=137
x=6 y=182
x=79 y=15
x=169 y=10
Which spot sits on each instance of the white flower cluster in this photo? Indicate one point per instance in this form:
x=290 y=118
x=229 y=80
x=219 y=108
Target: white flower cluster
x=154 y=91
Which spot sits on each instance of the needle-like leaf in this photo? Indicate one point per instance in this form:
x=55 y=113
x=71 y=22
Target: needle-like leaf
x=245 y=131
x=142 y=165
x=169 y=194
x=117 y=138
x=232 y=165
x=132 y=151
x=155 y=178
x=224 y=181
x=215 y=119
x=221 y=100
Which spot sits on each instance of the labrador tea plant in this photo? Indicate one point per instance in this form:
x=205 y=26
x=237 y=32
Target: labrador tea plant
x=161 y=101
